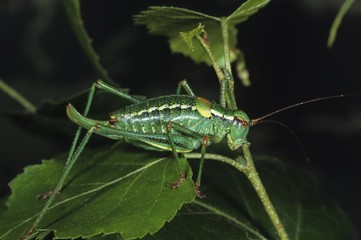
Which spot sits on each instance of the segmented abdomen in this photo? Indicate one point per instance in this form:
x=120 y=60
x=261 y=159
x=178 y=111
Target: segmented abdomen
x=152 y=115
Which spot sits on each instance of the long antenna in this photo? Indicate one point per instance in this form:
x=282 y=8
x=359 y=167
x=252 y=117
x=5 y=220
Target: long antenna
x=300 y=144
x=257 y=120
x=294 y=135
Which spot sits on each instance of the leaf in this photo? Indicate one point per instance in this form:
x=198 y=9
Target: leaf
x=170 y=21
x=72 y=8
x=246 y=10
x=201 y=220
x=337 y=22
x=233 y=211
x=109 y=191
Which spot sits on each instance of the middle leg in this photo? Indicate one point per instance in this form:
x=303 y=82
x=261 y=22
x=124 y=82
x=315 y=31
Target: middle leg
x=203 y=140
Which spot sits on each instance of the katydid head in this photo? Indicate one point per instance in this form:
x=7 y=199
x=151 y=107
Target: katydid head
x=239 y=129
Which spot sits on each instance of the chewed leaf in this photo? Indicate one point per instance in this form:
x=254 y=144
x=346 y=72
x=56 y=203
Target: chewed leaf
x=170 y=21
x=188 y=37
x=109 y=191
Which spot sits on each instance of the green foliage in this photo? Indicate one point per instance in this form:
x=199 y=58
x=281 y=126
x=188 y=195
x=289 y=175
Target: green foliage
x=246 y=10
x=170 y=21
x=233 y=210
x=121 y=191
x=108 y=191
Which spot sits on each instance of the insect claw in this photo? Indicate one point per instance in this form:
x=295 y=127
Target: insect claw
x=198 y=192
x=43 y=196
x=178 y=183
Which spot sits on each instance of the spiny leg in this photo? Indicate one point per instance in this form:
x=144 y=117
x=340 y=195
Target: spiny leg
x=72 y=157
x=47 y=195
x=99 y=84
x=75 y=151
x=181 y=179
x=197 y=185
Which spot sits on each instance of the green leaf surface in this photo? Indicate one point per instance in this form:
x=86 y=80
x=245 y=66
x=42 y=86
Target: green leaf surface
x=108 y=191
x=171 y=21
x=72 y=8
x=232 y=211
x=246 y=10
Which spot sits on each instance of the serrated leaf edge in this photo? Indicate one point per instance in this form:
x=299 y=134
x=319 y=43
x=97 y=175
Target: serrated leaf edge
x=87 y=192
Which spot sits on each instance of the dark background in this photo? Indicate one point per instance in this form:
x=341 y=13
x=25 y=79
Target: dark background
x=286 y=54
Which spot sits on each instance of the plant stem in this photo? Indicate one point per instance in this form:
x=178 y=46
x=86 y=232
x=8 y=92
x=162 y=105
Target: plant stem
x=17 y=96
x=252 y=175
x=231 y=101
x=217 y=69
x=216 y=157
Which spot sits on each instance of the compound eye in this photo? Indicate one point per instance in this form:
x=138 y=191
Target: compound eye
x=243 y=122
